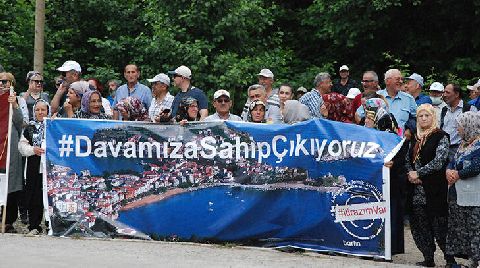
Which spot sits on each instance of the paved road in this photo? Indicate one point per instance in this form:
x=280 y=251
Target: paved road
x=42 y=251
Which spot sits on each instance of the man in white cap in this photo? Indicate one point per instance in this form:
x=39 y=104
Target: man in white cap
x=132 y=89
x=414 y=85
x=162 y=100
x=182 y=77
x=222 y=104
x=474 y=94
x=266 y=79
x=343 y=84
x=71 y=72
x=436 y=92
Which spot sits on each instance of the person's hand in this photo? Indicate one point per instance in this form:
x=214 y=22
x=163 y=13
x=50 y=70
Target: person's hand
x=68 y=107
x=54 y=116
x=13 y=100
x=324 y=110
x=62 y=88
x=452 y=176
x=26 y=94
x=38 y=150
x=183 y=122
x=389 y=164
x=413 y=177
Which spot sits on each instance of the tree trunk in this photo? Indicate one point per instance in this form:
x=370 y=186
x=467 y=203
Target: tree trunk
x=39 y=50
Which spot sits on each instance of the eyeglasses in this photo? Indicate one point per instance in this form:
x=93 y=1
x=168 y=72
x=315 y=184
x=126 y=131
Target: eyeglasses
x=223 y=100
x=367 y=81
x=37 y=81
x=4 y=81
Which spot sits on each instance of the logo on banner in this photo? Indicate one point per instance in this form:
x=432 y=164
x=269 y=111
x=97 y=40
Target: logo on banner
x=359 y=208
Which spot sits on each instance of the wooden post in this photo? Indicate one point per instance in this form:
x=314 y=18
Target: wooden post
x=39 y=50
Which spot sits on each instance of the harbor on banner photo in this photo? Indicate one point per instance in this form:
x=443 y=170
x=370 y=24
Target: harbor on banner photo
x=323 y=188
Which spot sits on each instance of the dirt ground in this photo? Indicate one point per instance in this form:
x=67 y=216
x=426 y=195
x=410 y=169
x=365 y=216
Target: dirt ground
x=20 y=250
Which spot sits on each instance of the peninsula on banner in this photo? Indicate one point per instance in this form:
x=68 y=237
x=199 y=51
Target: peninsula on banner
x=222 y=181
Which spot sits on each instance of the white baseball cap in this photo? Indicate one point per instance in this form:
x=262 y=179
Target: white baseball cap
x=219 y=93
x=182 y=71
x=162 y=78
x=353 y=92
x=266 y=73
x=70 y=65
x=437 y=86
x=343 y=68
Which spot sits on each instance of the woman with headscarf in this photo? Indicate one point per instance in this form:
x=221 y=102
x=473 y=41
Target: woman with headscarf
x=34 y=92
x=91 y=106
x=293 y=112
x=187 y=111
x=335 y=107
x=74 y=98
x=31 y=145
x=132 y=109
x=256 y=112
x=463 y=174
x=427 y=188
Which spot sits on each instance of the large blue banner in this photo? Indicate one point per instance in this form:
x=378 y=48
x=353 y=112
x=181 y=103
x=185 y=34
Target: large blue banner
x=318 y=184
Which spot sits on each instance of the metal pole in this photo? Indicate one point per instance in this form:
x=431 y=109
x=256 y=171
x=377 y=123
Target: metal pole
x=39 y=50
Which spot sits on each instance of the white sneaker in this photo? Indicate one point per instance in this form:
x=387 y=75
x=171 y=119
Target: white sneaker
x=33 y=232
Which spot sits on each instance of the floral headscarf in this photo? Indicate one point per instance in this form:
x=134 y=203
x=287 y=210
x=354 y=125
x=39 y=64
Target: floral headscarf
x=252 y=106
x=85 y=103
x=338 y=109
x=134 y=107
x=470 y=122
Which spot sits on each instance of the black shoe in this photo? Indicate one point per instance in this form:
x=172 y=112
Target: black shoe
x=24 y=216
x=426 y=263
x=9 y=229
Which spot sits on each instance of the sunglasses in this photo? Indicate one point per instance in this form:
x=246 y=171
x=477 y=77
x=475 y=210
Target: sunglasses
x=223 y=100
x=4 y=81
x=37 y=81
x=367 y=81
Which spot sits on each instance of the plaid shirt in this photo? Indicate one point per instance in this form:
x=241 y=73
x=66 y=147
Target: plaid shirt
x=313 y=100
x=157 y=107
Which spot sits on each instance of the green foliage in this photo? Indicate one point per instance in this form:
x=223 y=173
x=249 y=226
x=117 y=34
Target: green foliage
x=226 y=43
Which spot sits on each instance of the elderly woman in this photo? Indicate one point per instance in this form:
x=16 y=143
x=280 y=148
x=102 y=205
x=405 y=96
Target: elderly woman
x=30 y=145
x=34 y=91
x=293 y=112
x=15 y=178
x=427 y=189
x=187 y=111
x=256 y=112
x=464 y=174
x=91 y=106
x=132 y=109
x=74 y=98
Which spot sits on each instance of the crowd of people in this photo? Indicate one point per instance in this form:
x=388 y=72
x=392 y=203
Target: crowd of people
x=435 y=177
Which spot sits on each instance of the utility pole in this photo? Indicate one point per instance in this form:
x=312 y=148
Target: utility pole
x=39 y=50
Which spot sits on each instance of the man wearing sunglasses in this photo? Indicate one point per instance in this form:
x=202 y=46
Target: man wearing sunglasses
x=34 y=91
x=222 y=104
x=71 y=72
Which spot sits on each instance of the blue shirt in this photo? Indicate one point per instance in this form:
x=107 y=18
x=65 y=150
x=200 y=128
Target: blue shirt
x=193 y=92
x=140 y=91
x=422 y=99
x=475 y=102
x=402 y=106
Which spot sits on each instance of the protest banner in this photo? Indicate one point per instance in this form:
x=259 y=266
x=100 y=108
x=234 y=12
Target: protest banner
x=317 y=185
